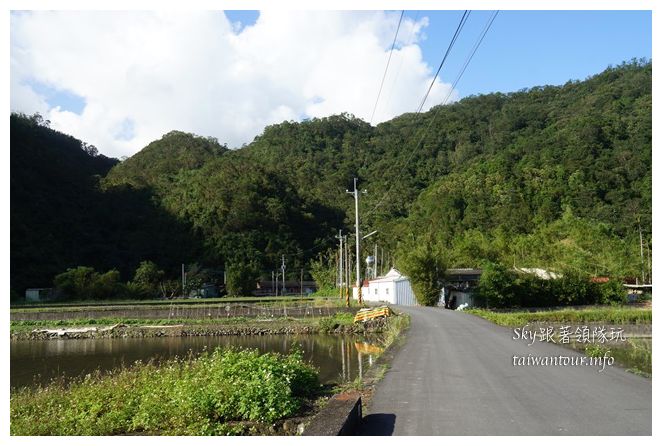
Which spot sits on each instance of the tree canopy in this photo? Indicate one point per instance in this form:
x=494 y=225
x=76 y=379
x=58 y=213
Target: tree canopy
x=555 y=176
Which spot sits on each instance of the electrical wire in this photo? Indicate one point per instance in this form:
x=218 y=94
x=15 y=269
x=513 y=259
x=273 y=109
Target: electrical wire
x=387 y=64
x=463 y=20
x=402 y=58
x=455 y=82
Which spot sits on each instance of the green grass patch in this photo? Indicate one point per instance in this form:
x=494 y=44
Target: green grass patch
x=329 y=324
x=29 y=325
x=205 y=395
x=87 y=305
x=636 y=355
x=610 y=315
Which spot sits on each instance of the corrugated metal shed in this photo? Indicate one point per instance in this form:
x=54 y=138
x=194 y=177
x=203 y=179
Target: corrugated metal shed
x=393 y=288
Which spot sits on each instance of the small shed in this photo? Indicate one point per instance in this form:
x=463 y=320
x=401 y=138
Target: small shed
x=393 y=288
x=38 y=294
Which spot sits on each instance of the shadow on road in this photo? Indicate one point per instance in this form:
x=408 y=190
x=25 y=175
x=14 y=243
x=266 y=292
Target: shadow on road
x=377 y=424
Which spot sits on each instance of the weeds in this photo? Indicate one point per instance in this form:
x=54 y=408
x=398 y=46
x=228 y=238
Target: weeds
x=611 y=315
x=192 y=396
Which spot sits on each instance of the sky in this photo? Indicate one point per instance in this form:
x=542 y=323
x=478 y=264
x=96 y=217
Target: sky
x=120 y=79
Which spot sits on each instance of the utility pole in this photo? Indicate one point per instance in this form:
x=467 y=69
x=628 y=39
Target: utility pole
x=355 y=192
x=641 y=246
x=183 y=280
x=272 y=282
x=282 y=267
x=346 y=271
x=650 y=267
x=340 y=263
x=374 y=268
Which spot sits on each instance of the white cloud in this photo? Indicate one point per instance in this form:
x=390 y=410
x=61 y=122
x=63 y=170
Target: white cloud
x=195 y=71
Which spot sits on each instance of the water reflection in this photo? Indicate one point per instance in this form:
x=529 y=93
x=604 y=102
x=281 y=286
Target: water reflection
x=338 y=358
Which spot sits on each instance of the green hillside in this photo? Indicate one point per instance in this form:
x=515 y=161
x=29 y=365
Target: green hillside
x=556 y=177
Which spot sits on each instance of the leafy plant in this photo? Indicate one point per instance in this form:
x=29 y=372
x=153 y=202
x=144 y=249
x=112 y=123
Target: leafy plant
x=191 y=396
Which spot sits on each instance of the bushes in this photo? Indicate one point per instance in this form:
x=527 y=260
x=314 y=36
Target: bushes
x=241 y=278
x=608 y=315
x=324 y=271
x=84 y=282
x=179 y=397
x=423 y=264
x=497 y=286
x=504 y=288
x=146 y=281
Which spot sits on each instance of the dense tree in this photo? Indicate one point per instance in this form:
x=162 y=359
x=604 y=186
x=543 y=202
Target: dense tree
x=147 y=280
x=423 y=263
x=557 y=177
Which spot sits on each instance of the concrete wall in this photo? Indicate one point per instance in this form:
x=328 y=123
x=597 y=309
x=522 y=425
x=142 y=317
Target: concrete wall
x=380 y=292
x=396 y=292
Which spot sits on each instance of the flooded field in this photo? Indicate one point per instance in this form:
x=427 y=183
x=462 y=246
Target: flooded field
x=338 y=358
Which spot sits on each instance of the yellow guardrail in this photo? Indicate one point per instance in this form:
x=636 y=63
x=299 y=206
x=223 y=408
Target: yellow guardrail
x=366 y=314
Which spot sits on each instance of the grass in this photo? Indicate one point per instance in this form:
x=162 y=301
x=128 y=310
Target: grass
x=324 y=324
x=328 y=324
x=610 y=315
x=206 y=395
x=634 y=354
x=158 y=303
x=29 y=325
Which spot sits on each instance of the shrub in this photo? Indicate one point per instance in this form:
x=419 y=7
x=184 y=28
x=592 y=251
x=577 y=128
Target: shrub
x=146 y=281
x=195 y=396
x=502 y=288
x=84 y=282
x=241 y=278
x=497 y=286
x=324 y=271
x=423 y=264
x=612 y=292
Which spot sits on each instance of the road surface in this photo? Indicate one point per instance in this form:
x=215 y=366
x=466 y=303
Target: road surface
x=455 y=376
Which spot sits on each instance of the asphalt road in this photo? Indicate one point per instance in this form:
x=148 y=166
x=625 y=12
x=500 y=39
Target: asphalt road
x=455 y=376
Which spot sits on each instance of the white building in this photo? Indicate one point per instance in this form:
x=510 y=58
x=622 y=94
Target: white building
x=393 y=288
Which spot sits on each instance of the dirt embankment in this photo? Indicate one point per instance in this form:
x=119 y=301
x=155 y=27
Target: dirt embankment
x=257 y=329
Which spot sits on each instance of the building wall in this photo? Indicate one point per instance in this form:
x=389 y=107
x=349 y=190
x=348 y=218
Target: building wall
x=382 y=291
x=404 y=294
x=396 y=292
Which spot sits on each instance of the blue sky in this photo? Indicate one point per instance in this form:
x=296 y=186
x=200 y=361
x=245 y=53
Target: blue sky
x=196 y=72
x=527 y=48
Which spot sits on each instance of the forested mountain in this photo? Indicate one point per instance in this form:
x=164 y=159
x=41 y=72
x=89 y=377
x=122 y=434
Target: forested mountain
x=556 y=176
x=61 y=218
x=161 y=160
x=53 y=180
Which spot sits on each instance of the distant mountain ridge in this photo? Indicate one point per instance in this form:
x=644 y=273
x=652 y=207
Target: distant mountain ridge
x=480 y=178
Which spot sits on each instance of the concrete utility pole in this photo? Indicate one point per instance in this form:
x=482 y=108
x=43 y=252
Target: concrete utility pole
x=183 y=280
x=340 y=264
x=650 y=267
x=641 y=247
x=355 y=192
x=346 y=270
x=282 y=267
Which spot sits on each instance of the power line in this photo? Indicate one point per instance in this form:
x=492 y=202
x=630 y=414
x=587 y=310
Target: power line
x=455 y=82
x=387 y=64
x=397 y=73
x=463 y=20
x=474 y=49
